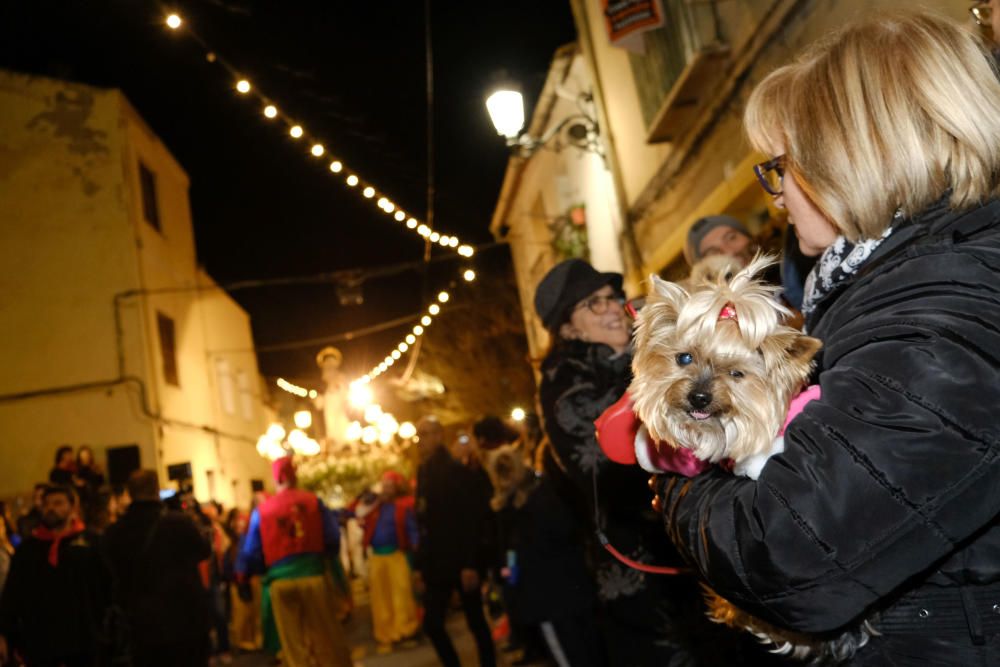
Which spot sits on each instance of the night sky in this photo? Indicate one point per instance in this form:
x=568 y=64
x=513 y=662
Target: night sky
x=353 y=74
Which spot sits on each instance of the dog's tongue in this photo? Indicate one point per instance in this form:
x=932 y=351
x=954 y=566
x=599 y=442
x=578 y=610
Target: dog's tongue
x=700 y=415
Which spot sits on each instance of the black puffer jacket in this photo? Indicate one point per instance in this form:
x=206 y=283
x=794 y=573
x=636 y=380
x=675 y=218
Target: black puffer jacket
x=890 y=483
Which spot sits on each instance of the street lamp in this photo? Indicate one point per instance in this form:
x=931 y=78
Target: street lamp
x=506 y=108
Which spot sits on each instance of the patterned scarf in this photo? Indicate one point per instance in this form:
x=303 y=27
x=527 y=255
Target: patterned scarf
x=837 y=264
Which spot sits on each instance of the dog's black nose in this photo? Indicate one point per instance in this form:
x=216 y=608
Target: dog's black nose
x=699 y=399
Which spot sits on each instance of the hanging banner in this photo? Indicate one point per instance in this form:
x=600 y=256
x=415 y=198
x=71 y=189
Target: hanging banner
x=627 y=20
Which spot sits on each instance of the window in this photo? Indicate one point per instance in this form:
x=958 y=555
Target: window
x=246 y=395
x=150 y=210
x=657 y=69
x=227 y=392
x=168 y=349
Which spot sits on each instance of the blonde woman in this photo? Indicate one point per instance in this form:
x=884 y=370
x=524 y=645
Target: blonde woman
x=885 y=150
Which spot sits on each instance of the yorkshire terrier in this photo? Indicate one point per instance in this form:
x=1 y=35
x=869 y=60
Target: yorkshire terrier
x=714 y=368
x=715 y=373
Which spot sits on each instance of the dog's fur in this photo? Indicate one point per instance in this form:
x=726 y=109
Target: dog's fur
x=512 y=478
x=721 y=388
x=747 y=368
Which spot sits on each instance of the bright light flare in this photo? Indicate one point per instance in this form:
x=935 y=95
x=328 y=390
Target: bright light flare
x=469 y=275
x=174 y=21
x=517 y=414
x=303 y=418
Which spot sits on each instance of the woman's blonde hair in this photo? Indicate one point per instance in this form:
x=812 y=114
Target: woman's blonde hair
x=886 y=114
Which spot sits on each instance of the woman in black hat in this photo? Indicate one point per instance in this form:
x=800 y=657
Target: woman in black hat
x=586 y=370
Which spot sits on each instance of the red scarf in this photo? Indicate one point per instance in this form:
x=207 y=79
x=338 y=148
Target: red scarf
x=42 y=532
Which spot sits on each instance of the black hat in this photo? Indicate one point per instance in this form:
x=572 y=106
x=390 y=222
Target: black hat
x=565 y=285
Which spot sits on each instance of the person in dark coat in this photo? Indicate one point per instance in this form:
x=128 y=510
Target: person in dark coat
x=884 y=504
x=63 y=473
x=546 y=583
x=448 y=553
x=153 y=554
x=646 y=619
x=27 y=522
x=56 y=594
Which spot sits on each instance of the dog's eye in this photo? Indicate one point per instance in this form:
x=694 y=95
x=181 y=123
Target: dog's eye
x=736 y=374
x=684 y=358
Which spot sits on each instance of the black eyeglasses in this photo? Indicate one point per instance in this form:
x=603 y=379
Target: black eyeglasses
x=598 y=304
x=982 y=13
x=771 y=175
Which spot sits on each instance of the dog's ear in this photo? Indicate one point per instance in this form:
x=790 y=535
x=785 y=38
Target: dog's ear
x=665 y=298
x=803 y=348
x=788 y=355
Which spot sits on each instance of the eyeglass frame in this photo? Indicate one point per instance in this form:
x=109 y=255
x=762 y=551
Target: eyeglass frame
x=776 y=164
x=592 y=301
x=986 y=9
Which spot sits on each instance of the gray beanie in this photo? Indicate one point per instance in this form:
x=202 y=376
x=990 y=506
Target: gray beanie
x=700 y=229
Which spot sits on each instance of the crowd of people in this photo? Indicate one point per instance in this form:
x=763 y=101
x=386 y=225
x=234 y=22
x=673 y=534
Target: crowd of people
x=90 y=574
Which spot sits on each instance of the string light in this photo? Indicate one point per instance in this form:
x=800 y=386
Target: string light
x=173 y=21
x=292 y=388
x=443 y=297
x=469 y=275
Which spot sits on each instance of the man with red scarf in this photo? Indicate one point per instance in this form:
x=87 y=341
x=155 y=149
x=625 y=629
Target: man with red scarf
x=293 y=534
x=57 y=591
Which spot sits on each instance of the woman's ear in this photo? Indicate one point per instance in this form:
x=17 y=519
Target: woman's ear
x=569 y=332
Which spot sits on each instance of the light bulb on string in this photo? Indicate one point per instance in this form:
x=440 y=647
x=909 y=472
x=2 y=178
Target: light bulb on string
x=336 y=166
x=411 y=339
x=400 y=216
x=174 y=21
x=396 y=354
x=411 y=223
x=243 y=86
x=443 y=297
x=317 y=150
x=466 y=251
x=426 y=320
x=403 y=347
x=296 y=131
x=443 y=241
x=453 y=242
x=270 y=111
x=434 y=237
x=381 y=203
x=434 y=309
x=352 y=180
x=368 y=192
x=469 y=275
x=418 y=330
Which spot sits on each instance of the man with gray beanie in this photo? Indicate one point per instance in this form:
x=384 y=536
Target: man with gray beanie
x=719 y=235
